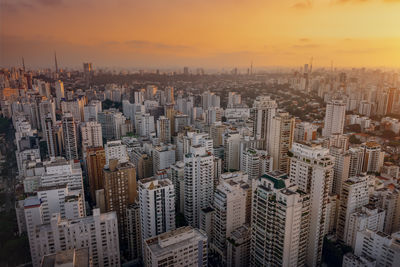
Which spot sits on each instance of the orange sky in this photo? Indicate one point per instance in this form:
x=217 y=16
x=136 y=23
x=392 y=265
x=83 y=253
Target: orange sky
x=207 y=33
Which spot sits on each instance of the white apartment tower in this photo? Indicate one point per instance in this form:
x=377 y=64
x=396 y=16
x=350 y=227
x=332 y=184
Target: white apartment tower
x=334 y=118
x=353 y=197
x=280 y=140
x=99 y=233
x=91 y=135
x=185 y=246
x=230 y=202
x=264 y=109
x=164 y=130
x=199 y=182
x=311 y=168
x=157 y=206
x=70 y=137
x=280 y=221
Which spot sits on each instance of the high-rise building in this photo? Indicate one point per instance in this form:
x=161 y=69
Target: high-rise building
x=99 y=233
x=177 y=174
x=157 y=206
x=369 y=217
x=373 y=157
x=382 y=248
x=255 y=163
x=356 y=161
x=280 y=140
x=311 y=168
x=164 y=130
x=185 y=246
x=95 y=162
x=133 y=231
x=169 y=93
x=70 y=137
x=199 y=182
x=59 y=171
x=334 y=118
x=116 y=150
x=232 y=151
x=163 y=157
x=54 y=138
x=238 y=247
x=305 y=131
x=91 y=135
x=230 y=202
x=59 y=85
x=120 y=190
x=111 y=121
x=353 y=196
x=217 y=131
x=341 y=168
x=264 y=109
x=280 y=222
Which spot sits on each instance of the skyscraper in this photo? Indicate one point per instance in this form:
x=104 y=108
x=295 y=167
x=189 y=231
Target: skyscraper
x=280 y=221
x=164 y=129
x=264 y=109
x=334 y=118
x=157 y=206
x=95 y=162
x=199 y=182
x=59 y=93
x=120 y=190
x=280 y=140
x=91 y=135
x=311 y=168
x=70 y=137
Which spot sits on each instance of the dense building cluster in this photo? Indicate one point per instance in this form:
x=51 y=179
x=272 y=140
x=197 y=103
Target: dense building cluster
x=206 y=170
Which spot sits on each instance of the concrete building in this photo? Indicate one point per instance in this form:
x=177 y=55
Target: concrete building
x=116 y=150
x=157 y=206
x=120 y=190
x=264 y=109
x=91 y=135
x=311 y=168
x=238 y=247
x=230 y=202
x=280 y=140
x=341 y=168
x=199 y=182
x=185 y=246
x=70 y=137
x=232 y=151
x=305 y=131
x=95 y=162
x=255 y=163
x=280 y=222
x=133 y=231
x=384 y=249
x=334 y=118
x=99 y=233
x=163 y=157
x=164 y=130
x=368 y=217
x=353 y=197
x=373 y=157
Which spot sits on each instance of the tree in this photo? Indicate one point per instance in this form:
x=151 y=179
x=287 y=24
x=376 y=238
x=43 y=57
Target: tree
x=354 y=140
x=388 y=134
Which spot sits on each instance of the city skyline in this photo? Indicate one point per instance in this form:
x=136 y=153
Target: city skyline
x=225 y=34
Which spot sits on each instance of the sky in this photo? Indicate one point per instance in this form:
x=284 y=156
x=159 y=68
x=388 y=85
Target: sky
x=206 y=33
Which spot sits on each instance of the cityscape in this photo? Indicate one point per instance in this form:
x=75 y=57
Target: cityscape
x=204 y=134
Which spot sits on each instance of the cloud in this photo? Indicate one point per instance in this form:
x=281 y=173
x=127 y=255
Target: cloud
x=350 y=1
x=17 y=5
x=305 y=46
x=306 y=4
x=304 y=40
x=147 y=44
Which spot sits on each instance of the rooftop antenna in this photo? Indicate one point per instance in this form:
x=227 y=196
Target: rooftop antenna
x=55 y=61
x=23 y=64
